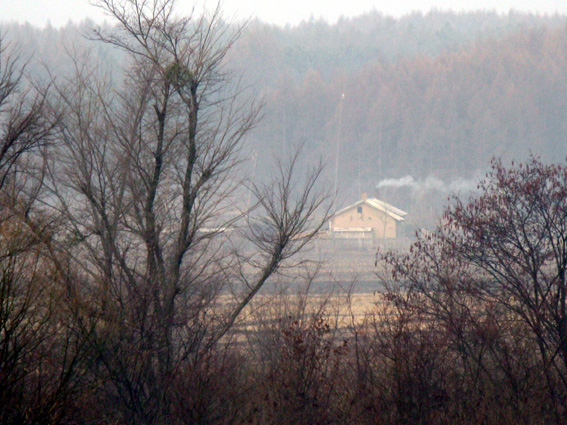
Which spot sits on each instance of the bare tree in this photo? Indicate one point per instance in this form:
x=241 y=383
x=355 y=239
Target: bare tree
x=494 y=276
x=26 y=124
x=288 y=205
x=148 y=179
x=39 y=351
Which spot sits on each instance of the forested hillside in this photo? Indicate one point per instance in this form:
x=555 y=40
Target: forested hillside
x=443 y=116
x=430 y=96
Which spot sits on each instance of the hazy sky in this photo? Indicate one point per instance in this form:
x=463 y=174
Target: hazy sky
x=281 y=12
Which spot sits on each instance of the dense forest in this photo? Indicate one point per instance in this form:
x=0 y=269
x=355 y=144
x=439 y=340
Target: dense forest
x=439 y=110
x=432 y=97
x=162 y=181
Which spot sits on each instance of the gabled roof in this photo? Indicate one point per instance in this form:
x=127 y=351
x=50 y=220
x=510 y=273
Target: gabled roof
x=379 y=205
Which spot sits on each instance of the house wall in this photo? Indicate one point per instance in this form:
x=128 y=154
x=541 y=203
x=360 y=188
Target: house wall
x=383 y=226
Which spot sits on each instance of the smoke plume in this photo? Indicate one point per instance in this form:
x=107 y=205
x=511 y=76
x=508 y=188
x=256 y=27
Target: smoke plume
x=428 y=184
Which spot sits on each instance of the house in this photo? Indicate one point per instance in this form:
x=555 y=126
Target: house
x=369 y=218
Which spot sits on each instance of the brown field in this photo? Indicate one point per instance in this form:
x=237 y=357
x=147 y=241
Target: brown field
x=342 y=284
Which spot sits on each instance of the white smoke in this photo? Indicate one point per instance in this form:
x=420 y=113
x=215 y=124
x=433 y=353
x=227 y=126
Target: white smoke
x=429 y=184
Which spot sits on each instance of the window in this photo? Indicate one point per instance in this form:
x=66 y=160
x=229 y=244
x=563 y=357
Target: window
x=359 y=210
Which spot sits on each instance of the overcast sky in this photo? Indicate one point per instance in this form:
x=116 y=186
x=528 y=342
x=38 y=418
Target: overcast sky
x=281 y=12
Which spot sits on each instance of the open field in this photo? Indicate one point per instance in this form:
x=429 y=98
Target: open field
x=343 y=284
x=346 y=262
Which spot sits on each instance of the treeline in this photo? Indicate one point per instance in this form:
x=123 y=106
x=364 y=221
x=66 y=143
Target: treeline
x=268 y=53
x=433 y=95
x=442 y=116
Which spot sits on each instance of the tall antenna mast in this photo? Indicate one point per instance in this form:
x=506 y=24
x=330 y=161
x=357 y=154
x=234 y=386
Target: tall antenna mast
x=254 y=159
x=338 y=148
